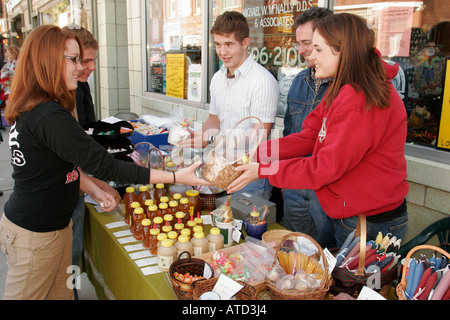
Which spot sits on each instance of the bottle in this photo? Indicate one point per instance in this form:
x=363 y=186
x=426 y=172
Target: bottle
x=197 y=229
x=183 y=244
x=178 y=188
x=128 y=198
x=254 y=216
x=186 y=232
x=158 y=222
x=161 y=236
x=163 y=209
x=172 y=235
x=215 y=239
x=183 y=206
x=169 y=219
x=190 y=225
x=153 y=240
x=178 y=227
x=176 y=197
x=143 y=195
x=147 y=203
x=136 y=228
x=134 y=205
x=166 y=227
x=194 y=201
x=167 y=254
x=164 y=199
x=199 y=244
x=146 y=227
x=179 y=216
x=199 y=220
x=173 y=207
x=152 y=212
x=160 y=191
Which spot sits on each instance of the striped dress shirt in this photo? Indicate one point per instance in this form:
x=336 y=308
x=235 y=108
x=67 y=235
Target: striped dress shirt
x=252 y=92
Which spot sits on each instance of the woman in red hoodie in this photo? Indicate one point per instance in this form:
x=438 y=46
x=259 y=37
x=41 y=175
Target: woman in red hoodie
x=356 y=137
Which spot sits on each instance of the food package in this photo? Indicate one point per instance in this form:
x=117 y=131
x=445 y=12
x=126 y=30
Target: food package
x=178 y=132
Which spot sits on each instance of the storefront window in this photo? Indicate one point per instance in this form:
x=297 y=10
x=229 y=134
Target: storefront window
x=174 y=35
x=416 y=34
x=63 y=13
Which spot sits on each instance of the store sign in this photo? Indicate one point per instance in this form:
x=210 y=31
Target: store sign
x=443 y=140
x=175 y=76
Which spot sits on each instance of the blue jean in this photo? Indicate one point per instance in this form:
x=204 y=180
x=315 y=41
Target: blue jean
x=260 y=188
x=302 y=211
x=334 y=231
x=78 y=231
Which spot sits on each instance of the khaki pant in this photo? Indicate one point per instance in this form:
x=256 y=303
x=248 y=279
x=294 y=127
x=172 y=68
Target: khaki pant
x=37 y=262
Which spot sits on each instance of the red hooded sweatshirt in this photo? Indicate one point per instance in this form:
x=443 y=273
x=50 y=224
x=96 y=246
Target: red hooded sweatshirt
x=357 y=164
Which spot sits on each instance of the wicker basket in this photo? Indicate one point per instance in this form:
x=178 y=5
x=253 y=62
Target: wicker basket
x=318 y=293
x=401 y=287
x=209 y=200
x=202 y=286
x=218 y=170
x=273 y=237
x=192 y=265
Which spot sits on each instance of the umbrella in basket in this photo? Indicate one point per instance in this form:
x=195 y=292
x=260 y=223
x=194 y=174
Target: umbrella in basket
x=147 y=155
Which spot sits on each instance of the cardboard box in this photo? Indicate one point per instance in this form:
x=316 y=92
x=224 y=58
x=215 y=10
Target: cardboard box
x=242 y=204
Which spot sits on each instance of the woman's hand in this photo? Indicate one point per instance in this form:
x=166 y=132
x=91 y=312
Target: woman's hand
x=106 y=201
x=249 y=174
x=187 y=176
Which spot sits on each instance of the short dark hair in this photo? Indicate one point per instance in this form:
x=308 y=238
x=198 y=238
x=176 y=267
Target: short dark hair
x=313 y=14
x=231 y=22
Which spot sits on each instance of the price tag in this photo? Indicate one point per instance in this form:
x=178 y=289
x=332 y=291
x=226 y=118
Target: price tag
x=117 y=224
x=226 y=287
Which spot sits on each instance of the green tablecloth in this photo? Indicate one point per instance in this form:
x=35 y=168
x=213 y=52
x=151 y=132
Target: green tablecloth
x=109 y=267
x=114 y=274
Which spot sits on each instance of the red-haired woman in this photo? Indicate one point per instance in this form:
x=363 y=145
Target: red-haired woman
x=48 y=148
x=356 y=137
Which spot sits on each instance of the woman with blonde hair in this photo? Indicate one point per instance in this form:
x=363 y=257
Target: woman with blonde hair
x=356 y=136
x=12 y=53
x=48 y=148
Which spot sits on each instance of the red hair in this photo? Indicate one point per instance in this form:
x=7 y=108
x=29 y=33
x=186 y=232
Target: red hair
x=39 y=73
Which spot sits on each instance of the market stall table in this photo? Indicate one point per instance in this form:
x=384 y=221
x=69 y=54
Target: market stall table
x=119 y=270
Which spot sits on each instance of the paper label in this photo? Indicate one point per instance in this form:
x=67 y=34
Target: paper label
x=226 y=287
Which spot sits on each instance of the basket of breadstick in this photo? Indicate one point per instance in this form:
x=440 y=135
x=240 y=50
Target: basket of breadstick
x=235 y=148
x=299 y=270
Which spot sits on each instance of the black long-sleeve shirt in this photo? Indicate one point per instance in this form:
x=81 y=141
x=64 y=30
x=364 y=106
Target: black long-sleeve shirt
x=47 y=148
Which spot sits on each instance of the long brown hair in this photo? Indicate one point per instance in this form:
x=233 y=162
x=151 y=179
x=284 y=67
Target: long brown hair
x=39 y=73
x=359 y=64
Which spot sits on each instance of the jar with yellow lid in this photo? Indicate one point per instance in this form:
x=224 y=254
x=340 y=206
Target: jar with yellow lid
x=167 y=254
x=164 y=199
x=166 y=227
x=180 y=215
x=199 y=244
x=158 y=222
x=194 y=201
x=146 y=227
x=159 y=192
x=134 y=205
x=183 y=244
x=143 y=195
x=153 y=240
x=169 y=218
x=178 y=226
x=190 y=225
x=215 y=239
x=186 y=232
x=173 y=207
x=161 y=237
x=147 y=203
x=199 y=220
x=177 y=197
x=163 y=209
x=136 y=228
x=172 y=235
x=128 y=198
x=183 y=206
x=197 y=229
x=152 y=211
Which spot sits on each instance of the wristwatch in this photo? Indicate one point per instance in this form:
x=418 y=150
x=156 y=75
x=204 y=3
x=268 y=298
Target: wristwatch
x=211 y=139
